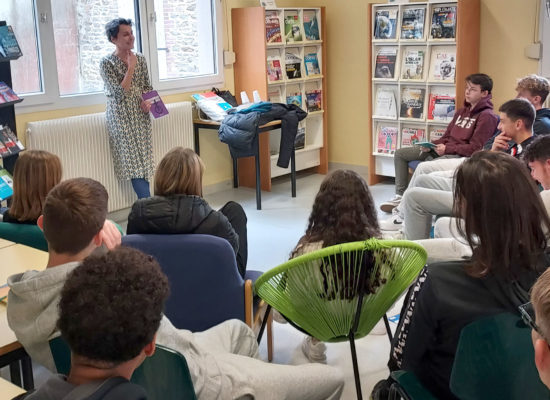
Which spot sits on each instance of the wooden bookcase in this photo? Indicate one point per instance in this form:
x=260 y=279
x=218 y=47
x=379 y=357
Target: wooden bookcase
x=466 y=46
x=250 y=70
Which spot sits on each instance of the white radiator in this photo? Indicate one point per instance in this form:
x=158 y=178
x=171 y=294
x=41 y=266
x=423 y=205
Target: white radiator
x=82 y=144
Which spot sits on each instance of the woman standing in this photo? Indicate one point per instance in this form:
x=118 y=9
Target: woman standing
x=128 y=122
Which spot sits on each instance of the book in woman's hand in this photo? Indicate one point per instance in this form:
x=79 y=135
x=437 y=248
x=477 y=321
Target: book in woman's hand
x=158 y=109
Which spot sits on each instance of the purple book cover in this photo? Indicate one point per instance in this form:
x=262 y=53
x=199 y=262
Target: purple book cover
x=158 y=109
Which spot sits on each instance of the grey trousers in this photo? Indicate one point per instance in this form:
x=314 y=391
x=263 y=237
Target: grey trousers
x=401 y=160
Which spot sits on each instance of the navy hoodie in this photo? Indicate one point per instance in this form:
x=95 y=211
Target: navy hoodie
x=470 y=129
x=542 y=122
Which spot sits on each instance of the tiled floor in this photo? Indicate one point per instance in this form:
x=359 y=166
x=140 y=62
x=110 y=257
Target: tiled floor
x=272 y=233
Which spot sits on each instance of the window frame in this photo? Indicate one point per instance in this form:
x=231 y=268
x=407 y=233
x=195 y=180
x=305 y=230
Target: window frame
x=50 y=98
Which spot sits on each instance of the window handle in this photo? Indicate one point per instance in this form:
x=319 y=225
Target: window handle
x=43 y=17
x=153 y=16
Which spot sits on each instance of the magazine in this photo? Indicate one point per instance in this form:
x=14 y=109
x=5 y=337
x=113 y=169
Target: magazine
x=443 y=65
x=312 y=64
x=9 y=48
x=314 y=100
x=274 y=71
x=385 y=23
x=385 y=63
x=6 y=184
x=293 y=33
x=293 y=66
x=10 y=142
x=274 y=95
x=441 y=107
x=272 y=27
x=413 y=64
x=158 y=109
x=412 y=102
x=300 y=140
x=7 y=95
x=385 y=105
x=443 y=23
x=410 y=136
x=295 y=99
x=436 y=133
x=311 y=25
x=387 y=139
x=412 y=25
x=4 y=152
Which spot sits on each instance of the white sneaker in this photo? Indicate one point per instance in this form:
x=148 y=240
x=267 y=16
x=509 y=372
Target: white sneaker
x=393 y=223
x=388 y=206
x=314 y=350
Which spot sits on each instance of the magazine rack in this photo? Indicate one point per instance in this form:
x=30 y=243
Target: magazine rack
x=417 y=92
x=255 y=35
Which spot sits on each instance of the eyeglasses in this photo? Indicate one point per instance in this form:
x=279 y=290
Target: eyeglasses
x=528 y=315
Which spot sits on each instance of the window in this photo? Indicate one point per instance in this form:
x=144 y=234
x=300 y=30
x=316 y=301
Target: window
x=63 y=42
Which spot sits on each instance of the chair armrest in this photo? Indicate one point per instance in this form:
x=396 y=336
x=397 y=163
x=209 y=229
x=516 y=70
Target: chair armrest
x=409 y=387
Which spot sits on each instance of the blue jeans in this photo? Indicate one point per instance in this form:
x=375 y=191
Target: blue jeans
x=141 y=187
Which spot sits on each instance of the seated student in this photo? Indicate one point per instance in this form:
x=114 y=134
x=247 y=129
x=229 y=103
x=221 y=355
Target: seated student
x=536 y=88
x=509 y=252
x=516 y=123
x=540 y=300
x=178 y=206
x=223 y=360
x=36 y=173
x=109 y=324
x=469 y=129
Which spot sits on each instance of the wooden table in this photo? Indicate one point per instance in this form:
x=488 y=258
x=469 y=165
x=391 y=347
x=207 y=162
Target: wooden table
x=17 y=258
x=8 y=390
x=5 y=243
x=260 y=178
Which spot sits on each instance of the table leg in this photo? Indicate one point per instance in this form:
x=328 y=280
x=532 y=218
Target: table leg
x=196 y=140
x=26 y=368
x=293 y=172
x=15 y=373
x=235 y=172
x=258 y=182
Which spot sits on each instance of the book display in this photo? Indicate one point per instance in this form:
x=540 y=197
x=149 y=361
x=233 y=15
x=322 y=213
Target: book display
x=10 y=145
x=420 y=55
x=288 y=71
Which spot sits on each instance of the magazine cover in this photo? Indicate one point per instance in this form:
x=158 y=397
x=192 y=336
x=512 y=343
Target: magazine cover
x=274 y=95
x=6 y=137
x=13 y=138
x=158 y=109
x=385 y=23
x=412 y=25
x=295 y=99
x=443 y=23
x=293 y=32
x=385 y=105
x=385 y=63
x=387 y=140
x=274 y=71
x=441 y=108
x=9 y=48
x=413 y=64
x=272 y=27
x=300 y=140
x=312 y=64
x=311 y=25
x=410 y=136
x=293 y=66
x=444 y=65
x=314 y=100
x=436 y=133
x=4 y=152
x=6 y=184
x=7 y=95
x=412 y=103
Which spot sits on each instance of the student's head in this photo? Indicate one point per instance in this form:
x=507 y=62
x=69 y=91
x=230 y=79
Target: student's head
x=179 y=172
x=478 y=86
x=537 y=156
x=533 y=88
x=36 y=173
x=111 y=306
x=119 y=32
x=540 y=299
x=516 y=115
x=505 y=219
x=73 y=215
x=343 y=210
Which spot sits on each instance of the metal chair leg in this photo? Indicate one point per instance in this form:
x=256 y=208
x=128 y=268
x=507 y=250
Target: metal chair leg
x=388 y=329
x=355 y=366
x=293 y=173
x=264 y=323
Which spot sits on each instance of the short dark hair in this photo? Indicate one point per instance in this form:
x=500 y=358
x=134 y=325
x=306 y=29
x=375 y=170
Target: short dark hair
x=74 y=212
x=538 y=149
x=112 y=27
x=482 y=80
x=520 y=109
x=111 y=305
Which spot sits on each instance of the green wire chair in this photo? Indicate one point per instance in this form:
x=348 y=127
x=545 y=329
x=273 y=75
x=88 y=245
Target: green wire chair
x=340 y=292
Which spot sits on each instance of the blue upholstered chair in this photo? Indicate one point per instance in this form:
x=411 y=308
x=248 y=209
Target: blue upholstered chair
x=205 y=285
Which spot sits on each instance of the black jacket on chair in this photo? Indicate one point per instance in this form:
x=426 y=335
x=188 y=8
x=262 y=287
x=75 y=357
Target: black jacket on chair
x=180 y=214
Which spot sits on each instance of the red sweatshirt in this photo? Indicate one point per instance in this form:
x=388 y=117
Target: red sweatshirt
x=470 y=129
